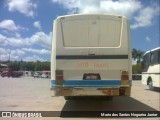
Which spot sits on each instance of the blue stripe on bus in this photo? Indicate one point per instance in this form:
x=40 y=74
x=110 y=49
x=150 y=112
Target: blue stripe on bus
x=53 y=83
x=89 y=83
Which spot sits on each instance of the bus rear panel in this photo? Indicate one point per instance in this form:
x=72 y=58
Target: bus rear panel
x=91 y=56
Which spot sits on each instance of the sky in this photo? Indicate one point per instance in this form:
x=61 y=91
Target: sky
x=26 y=25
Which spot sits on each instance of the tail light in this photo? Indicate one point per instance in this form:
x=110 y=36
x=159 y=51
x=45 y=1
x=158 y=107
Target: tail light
x=124 y=77
x=59 y=77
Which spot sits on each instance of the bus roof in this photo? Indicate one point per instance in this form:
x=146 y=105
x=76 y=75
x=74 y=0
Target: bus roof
x=115 y=15
x=151 y=50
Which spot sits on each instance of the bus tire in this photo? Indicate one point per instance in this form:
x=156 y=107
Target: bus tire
x=75 y=97
x=68 y=98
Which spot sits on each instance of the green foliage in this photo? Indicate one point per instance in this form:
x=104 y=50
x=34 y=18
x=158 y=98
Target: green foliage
x=14 y=65
x=136 y=69
x=29 y=66
x=137 y=56
x=39 y=66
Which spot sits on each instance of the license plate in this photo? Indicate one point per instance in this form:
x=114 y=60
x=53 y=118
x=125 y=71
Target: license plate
x=91 y=76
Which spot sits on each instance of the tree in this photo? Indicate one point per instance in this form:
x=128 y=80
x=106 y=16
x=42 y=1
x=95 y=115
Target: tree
x=14 y=65
x=39 y=66
x=29 y=66
x=136 y=69
x=134 y=54
x=137 y=55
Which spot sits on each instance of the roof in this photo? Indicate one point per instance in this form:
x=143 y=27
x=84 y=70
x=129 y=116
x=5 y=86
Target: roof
x=151 y=50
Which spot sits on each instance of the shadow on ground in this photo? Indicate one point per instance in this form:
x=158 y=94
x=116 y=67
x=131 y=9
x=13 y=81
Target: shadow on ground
x=117 y=104
x=155 y=90
x=93 y=107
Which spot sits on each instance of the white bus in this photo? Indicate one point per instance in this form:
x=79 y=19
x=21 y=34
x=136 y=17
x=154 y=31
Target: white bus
x=91 y=56
x=151 y=68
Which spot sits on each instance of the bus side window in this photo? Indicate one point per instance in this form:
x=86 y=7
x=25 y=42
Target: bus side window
x=151 y=58
x=146 y=62
x=154 y=58
x=158 y=56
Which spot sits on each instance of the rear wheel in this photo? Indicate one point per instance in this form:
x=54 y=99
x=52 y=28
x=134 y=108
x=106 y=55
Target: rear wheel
x=68 y=97
x=74 y=97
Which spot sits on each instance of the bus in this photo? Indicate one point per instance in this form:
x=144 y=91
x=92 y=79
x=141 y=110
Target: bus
x=91 y=56
x=151 y=68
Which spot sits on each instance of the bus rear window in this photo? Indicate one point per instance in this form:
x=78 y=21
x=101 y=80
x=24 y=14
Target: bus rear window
x=91 y=33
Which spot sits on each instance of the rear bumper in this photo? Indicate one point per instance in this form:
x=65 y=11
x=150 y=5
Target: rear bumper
x=81 y=91
x=101 y=88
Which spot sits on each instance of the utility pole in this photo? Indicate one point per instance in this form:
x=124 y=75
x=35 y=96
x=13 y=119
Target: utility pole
x=9 y=56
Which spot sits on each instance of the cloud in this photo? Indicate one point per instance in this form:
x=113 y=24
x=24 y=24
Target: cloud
x=148 y=39
x=4 y=54
x=20 y=54
x=13 y=41
x=42 y=39
x=145 y=17
x=3 y=40
x=141 y=15
x=16 y=54
x=34 y=58
x=124 y=7
x=9 y=27
x=25 y=7
x=37 y=25
x=39 y=38
x=2 y=51
x=37 y=51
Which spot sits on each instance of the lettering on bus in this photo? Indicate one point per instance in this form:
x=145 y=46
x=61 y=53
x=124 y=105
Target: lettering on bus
x=94 y=65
